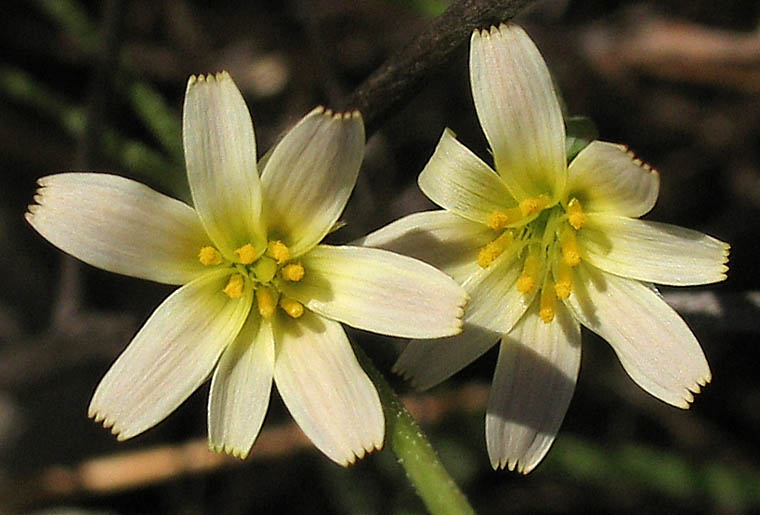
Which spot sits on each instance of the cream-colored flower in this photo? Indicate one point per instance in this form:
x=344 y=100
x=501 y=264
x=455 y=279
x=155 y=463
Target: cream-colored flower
x=542 y=247
x=262 y=298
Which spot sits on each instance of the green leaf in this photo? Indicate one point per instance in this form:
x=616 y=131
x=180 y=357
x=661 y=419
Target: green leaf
x=580 y=132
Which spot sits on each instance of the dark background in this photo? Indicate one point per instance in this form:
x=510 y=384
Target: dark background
x=99 y=86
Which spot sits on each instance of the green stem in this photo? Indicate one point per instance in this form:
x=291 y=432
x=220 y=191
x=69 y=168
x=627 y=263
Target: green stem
x=424 y=470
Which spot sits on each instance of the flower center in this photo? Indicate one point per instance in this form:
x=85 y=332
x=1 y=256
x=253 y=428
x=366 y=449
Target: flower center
x=542 y=238
x=263 y=272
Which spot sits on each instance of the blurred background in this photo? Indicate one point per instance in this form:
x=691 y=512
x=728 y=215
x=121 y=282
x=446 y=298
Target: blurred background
x=98 y=85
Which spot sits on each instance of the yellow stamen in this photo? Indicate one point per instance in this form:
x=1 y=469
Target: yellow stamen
x=266 y=301
x=209 y=256
x=293 y=272
x=531 y=206
x=501 y=219
x=264 y=269
x=527 y=280
x=291 y=307
x=564 y=277
x=548 y=302
x=575 y=215
x=279 y=251
x=493 y=250
x=569 y=246
x=247 y=254
x=235 y=285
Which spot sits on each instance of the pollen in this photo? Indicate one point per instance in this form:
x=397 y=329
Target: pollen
x=548 y=302
x=278 y=251
x=266 y=301
x=575 y=215
x=247 y=254
x=564 y=280
x=527 y=280
x=209 y=256
x=501 y=219
x=235 y=285
x=525 y=284
x=292 y=307
x=533 y=205
x=293 y=272
x=493 y=250
x=569 y=245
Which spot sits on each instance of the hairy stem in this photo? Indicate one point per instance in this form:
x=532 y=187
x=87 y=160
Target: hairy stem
x=413 y=451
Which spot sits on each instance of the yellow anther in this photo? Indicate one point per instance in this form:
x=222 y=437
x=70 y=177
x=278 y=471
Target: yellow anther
x=527 y=280
x=525 y=284
x=293 y=272
x=266 y=301
x=501 y=219
x=487 y=255
x=247 y=254
x=493 y=250
x=548 y=302
x=209 y=256
x=235 y=286
x=575 y=215
x=564 y=280
x=279 y=251
x=264 y=269
x=291 y=307
x=569 y=245
x=531 y=206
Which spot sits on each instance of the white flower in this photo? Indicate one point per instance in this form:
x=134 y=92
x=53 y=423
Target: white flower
x=542 y=247
x=261 y=298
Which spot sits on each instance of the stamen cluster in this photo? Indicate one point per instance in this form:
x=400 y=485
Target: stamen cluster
x=543 y=238
x=262 y=271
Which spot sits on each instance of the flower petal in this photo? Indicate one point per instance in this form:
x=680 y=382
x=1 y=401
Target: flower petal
x=119 y=225
x=495 y=302
x=654 y=345
x=653 y=252
x=607 y=178
x=428 y=362
x=445 y=240
x=532 y=387
x=169 y=357
x=240 y=389
x=309 y=177
x=379 y=291
x=494 y=308
x=457 y=180
x=325 y=389
x=519 y=111
x=220 y=154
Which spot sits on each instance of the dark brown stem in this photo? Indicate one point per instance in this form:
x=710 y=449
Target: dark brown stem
x=400 y=78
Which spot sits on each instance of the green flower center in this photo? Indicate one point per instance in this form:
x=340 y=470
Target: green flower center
x=263 y=272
